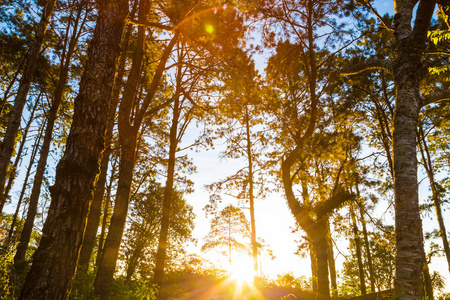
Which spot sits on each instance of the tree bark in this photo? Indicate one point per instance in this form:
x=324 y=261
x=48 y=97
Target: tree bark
x=45 y=149
x=101 y=239
x=55 y=261
x=362 y=280
x=366 y=242
x=168 y=191
x=407 y=68
x=24 y=186
x=13 y=174
x=96 y=206
x=436 y=192
x=331 y=262
x=128 y=133
x=7 y=146
x=251 y=197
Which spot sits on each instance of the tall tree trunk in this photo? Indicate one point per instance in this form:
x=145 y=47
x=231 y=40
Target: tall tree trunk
x=366 y=241
x=96 y=206
x=321 y=250
x=251 y=197
x=436 y=192
x=313 y=257
x=168 y=191
x=331 y=262
x=407 y=70
x=362 y=280
x=104 y=278
x=128 y=133
x=45 y=150
x=7 y=146
x=6 y=94
x=55 y=261
x=105 y=217
x=428 y=286
x=13 y=174
x=25 y=183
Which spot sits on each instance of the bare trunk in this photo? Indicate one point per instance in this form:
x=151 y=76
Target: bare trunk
x=105 y=217
x=366 y=242
x=331 y=262
x=96 y=206
x=105 y=274
x=407 y=68
x=251 y=197
x=436 y=192
x=321 y=250
x=7 y=146
x=168 y=191
x=362 y=280
x=43 y=155
x=312 y=255
x=428 y=286
x=25 y=183
x=55 y=261
x=13 y=174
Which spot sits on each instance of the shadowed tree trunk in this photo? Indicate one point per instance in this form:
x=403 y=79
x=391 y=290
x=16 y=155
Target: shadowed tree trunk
x=366 y=241
x=362 y=280
x=13 y=174
x=7 y=146
x=106 y=215
x=129 y=124
x=55 y=260
x=43 y=155
x=96 y=206
x=331 y=262
x=407 y=70
x=25 y=183
x=436 y=192
x=251 y=197
x=168 y=191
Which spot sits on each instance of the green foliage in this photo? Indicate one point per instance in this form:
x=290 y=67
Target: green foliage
x=288 y=280
x=438 y=35
x=83 y=286
x=140 y=239
x=6 y=264
x=133 y=290
x=230 y=231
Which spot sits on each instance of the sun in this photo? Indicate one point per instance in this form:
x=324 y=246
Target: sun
x=242 y=269
x=209 y=28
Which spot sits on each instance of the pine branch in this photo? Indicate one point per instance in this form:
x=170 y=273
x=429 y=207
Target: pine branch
x=370 y=64
x=435 y=97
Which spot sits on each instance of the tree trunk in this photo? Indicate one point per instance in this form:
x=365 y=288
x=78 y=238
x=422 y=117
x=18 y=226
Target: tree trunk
x=55 y=261
x=7 y=146
x=128 y=134
x=331 y=263
x=96 y=206
x=25 y=183
x=45 y=150
x=313 y=257
x=436 y=192
x=428 y=286
x=321 y=248
x=251 y=197
x=101 y=239
x=13 y=174
x=105 y=274
x=366 y=243
x=168 y=191
x=407 y=68
x=362 y=280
